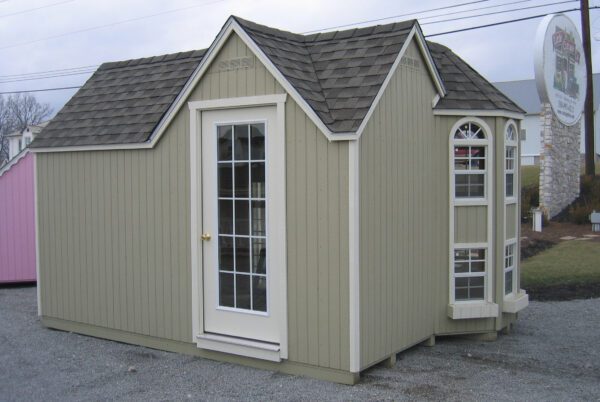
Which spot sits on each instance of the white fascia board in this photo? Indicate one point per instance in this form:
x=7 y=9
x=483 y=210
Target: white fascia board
x=13 y=161
x=437 y=79
x=81 y=148
x=415 y=33
x=478 y=113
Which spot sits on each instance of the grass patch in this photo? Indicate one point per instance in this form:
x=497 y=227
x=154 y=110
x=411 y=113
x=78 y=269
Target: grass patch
x=530 y=176
x=569 y=270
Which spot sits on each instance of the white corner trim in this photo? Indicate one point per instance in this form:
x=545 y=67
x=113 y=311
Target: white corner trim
x=13 y=161
x=37 y=236
x=481 y=113
x=461 y=311
x=239 y=346
x=435 y=100
x=515 y=302
x=354 y=258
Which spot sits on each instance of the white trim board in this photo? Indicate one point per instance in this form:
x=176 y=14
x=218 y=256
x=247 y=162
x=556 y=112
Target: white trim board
x=37 y=236
x=354 y=257
x=478 y=113
x=221 y=343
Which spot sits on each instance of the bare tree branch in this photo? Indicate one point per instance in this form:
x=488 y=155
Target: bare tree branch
x=16 y=113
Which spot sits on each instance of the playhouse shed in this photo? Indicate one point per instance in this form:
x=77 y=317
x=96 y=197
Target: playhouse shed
x=309 y=204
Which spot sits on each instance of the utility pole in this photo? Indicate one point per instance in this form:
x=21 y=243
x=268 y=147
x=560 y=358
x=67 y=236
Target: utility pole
x=590 y=168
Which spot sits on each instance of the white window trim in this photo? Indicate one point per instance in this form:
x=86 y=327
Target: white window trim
x=488 y=277
x=513 y=268
x=472 y=309
x=261 y=350
x=487 y=143
x=515 y=171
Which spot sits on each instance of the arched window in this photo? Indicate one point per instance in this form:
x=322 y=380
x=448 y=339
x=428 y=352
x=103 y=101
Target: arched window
x=470 y=161
x=510 y=160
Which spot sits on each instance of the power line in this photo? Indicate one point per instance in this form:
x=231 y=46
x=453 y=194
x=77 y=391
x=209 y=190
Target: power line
x=427 y=36
x=499 y=12
x=112 y=24
x=475 y=9
x=48 y=71
x=36 y=8
x=396 y=16
x=38 y=90
x=13 y=77
x=505 y=22
x=44 y=77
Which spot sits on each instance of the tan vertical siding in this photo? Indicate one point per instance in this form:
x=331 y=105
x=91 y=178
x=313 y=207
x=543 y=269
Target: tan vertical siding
x=403 y=213
x=470 y=224
x=115 y=227
x=511 y=221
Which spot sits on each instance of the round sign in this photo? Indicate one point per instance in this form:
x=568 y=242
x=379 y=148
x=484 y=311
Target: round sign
x=560 y=71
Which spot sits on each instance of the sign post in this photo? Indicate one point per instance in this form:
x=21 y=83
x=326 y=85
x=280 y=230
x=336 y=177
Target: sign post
x=560 y=74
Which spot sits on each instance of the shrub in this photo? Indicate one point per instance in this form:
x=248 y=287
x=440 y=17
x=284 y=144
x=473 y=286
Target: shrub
x=530 y=198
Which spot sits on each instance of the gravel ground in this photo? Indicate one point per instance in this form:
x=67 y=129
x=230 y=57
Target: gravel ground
x=552 y=354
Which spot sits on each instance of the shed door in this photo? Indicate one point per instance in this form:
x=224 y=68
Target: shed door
x=240 y=281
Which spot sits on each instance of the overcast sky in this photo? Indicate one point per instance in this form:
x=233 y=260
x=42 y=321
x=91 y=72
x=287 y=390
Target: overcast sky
x=64 y=34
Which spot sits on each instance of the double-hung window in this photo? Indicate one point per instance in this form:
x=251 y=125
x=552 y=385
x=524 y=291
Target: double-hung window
x=469 y=274
x=510 y=161
x=470 y=162
x=509 y=268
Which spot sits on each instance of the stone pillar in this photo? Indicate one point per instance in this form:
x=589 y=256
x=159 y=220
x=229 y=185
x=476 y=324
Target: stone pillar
x=560 y=163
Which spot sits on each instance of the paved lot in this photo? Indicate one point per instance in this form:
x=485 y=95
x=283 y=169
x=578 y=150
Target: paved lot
x=553 y=354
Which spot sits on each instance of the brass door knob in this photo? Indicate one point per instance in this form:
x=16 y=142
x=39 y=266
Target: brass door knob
x=205 y=236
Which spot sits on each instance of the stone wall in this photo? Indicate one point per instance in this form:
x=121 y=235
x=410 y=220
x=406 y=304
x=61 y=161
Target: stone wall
x=560 y=163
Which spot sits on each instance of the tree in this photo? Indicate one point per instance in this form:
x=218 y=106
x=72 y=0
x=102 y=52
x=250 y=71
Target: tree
x=16 y=113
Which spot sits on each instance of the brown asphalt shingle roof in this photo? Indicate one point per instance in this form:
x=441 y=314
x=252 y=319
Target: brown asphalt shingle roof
x=337 y=73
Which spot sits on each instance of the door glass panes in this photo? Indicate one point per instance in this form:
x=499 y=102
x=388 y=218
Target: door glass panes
x=242 y=216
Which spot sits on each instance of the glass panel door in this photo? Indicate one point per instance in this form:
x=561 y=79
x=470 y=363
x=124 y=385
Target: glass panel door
x=242 y=241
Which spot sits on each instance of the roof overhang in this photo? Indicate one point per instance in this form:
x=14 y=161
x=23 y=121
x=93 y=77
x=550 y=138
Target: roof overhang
x=232 y=26
x=479 y=113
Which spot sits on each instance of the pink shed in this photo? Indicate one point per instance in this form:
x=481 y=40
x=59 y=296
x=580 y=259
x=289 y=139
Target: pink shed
x=17 y=220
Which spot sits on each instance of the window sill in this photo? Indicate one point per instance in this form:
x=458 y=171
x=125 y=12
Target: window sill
x=238 y=346
x=461 y=311
x=458 y=202
x=515 y=302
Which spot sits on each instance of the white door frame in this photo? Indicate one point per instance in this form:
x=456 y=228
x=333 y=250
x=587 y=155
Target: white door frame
x=211 y=341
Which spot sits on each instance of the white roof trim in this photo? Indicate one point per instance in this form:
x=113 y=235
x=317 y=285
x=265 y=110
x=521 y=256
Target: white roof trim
x=478 y=113
x=13 y=161
x=416 y=33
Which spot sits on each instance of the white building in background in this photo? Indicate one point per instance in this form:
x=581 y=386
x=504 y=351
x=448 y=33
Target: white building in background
x=19 y=140
x=524 y=93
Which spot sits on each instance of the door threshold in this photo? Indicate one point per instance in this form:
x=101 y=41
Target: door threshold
x=239 y=346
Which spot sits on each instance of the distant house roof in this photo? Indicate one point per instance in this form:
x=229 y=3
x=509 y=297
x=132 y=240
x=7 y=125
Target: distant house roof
x=33 y=128
x=337 y=73
x=524 y=93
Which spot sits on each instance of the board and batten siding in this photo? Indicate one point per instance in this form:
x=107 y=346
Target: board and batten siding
x=511 y=221
x=403 y=213
x=115 y=228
